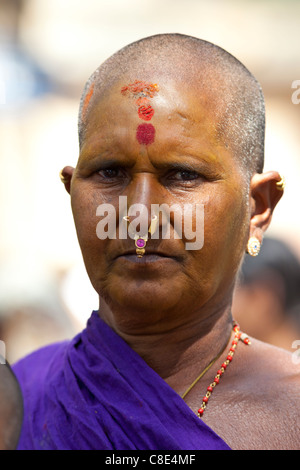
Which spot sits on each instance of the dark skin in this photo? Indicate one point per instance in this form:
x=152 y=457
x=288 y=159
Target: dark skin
x=173 y=306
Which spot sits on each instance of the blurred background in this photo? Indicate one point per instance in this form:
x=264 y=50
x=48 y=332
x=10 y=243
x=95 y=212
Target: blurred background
x=48 y=49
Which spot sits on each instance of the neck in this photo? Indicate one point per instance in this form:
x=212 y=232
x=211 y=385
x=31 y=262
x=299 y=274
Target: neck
x=180 y=353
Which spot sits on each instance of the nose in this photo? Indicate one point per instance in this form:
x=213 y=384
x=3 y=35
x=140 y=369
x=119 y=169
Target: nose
x=143 y=192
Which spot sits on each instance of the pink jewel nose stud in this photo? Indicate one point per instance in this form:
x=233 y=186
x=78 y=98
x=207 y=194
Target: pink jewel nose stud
x=141 y=241
x=140 y=244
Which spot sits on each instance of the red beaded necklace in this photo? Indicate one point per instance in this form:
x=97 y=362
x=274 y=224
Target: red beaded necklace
x=238 y=336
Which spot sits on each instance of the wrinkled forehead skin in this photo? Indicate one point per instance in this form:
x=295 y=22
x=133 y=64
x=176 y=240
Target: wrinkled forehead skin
x=215 y=82
x=11 y=408
x=200 y=102
x=206 y=89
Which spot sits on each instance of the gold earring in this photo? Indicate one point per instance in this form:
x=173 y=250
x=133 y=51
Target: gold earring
x=63 y=179
x=281 y=184
x=253 y=246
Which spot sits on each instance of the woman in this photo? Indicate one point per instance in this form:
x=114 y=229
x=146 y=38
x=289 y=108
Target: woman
x=177 y=121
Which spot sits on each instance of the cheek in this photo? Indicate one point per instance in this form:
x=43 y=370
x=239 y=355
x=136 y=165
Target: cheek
x=84 y=205
x=224 y=235
x=83 y=210
x=226 y=229
x=94 y=250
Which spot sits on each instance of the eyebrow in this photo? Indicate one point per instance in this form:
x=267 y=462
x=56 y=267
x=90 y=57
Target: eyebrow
x=186 y=162
x=107 y=162
x=191 y=165
x=175 y=165
x=114 y=162
x=195 y=166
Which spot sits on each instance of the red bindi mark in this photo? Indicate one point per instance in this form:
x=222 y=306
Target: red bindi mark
x=145 y=134
x=142 y=92
x=146 y=112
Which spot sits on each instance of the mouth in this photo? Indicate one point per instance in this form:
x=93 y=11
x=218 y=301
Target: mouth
x=150 y=256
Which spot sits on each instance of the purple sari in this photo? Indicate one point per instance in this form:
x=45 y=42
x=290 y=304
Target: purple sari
x=95 y=392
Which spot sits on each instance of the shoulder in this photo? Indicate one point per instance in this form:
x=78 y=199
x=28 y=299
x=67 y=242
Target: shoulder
x=36 y=365
x=274 y=380
x=258 y=401
x=274 y=374
x=275 y=365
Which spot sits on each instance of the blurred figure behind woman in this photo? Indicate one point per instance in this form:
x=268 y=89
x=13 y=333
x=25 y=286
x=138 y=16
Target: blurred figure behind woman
x=267 y=299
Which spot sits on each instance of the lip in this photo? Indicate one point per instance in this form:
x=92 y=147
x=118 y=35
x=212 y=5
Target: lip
x=148 y=252
x=150 y=256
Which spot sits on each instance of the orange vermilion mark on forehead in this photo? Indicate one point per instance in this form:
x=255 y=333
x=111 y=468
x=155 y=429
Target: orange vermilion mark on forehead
x=141 y=88
x=142 y=101
x=146 y=112
x=142 y=92
x=87 y=99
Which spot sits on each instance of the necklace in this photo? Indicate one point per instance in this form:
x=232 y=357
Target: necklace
x=238 y=336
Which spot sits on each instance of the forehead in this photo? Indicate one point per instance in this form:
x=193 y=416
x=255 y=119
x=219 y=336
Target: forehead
x=183 y=124
x=147 y=99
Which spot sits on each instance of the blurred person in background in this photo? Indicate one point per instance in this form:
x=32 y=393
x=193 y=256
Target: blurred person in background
x=267 y=299
x=22 y=78
x=32 y=310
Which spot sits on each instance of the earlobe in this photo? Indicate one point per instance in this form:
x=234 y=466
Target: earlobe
x=66 y=176
x=266 y=190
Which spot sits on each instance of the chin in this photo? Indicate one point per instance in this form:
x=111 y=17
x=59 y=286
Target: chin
x=142 y=297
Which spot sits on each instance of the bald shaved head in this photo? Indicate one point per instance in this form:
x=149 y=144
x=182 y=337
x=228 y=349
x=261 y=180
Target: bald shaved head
x=228 y=89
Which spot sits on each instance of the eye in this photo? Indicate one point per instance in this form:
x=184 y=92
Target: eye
x=110 y=173
x=186 y=175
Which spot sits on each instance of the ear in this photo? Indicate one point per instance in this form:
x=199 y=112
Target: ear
x=66 y=176
x=266 y=190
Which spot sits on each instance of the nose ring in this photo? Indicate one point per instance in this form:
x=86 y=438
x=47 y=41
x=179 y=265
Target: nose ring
x=141 y=241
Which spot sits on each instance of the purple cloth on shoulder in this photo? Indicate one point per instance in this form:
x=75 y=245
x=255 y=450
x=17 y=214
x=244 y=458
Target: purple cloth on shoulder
x=95 y=392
